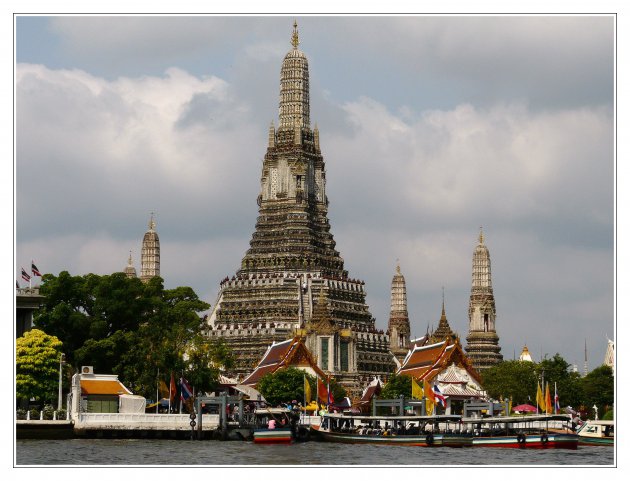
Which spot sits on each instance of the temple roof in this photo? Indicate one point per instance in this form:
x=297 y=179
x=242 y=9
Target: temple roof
x=426 y=362
x=289 y=353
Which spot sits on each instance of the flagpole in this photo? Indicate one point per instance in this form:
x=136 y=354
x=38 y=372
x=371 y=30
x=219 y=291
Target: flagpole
x=157 y=392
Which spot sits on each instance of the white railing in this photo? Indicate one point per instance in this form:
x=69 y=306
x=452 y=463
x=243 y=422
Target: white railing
x=141 y=420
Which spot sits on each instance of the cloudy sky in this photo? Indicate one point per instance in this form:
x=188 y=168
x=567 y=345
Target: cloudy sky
x=430 y=128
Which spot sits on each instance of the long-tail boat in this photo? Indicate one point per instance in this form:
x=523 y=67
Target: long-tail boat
x=544 y=431
x=284 y=430
x=426 y=431
x=597 y=433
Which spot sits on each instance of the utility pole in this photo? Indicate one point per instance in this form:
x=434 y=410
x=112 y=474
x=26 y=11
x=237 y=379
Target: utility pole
x=62 y=361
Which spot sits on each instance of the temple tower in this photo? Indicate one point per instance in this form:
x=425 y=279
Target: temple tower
x=130 y=270
x=444 y=330
x=292 y=259
x=398 y=327
x=483 y=342
x=150 y=257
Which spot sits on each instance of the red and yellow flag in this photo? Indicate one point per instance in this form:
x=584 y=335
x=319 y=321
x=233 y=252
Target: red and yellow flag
x=322 y=392
x=428 y=392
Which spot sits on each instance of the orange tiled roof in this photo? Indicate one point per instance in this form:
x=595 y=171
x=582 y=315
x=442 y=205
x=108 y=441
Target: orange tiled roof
x=426 y=362
x=278 y=356
x=103 y=387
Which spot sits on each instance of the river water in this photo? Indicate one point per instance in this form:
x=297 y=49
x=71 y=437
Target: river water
x=142 y=452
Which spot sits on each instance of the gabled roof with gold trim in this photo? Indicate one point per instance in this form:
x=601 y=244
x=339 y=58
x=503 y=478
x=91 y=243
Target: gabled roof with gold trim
x=426 y=362
x=289 y=353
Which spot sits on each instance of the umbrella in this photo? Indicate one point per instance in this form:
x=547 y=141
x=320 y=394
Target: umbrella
x=524 y=408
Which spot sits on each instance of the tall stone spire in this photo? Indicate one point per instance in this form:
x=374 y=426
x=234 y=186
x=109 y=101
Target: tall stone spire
x=130 y=270
x=150 y=256
x=292 y=258
x=483 y=342
x=398 y=326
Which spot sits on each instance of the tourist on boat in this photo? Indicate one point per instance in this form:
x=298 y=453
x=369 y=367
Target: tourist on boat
x=271 y=424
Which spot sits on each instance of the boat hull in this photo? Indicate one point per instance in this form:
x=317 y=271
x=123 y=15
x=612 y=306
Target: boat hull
x=273 y=436
x=586 y=441
x=435 y=440
x=531 y=441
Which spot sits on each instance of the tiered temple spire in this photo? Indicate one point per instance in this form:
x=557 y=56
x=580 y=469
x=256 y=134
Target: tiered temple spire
x=398 y=326
x=150 y=257
x=444 y=330
x=292 y=258
x=130 y=270
x=483 y=342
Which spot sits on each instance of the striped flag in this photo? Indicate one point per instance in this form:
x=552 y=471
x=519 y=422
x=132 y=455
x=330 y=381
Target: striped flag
x=25 y=275
x=438 y=395
x=35 y=270
x=556 y=399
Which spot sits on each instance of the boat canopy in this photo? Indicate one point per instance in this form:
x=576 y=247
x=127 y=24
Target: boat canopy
x=361 y=417
x=518 y=419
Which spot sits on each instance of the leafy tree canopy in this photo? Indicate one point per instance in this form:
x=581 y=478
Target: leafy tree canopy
x=397 y=385
x=511 y=379
x=285 y=385
x=123 y=326
x=599 y=388
x=37 y=357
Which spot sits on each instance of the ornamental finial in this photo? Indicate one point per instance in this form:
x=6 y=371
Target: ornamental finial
x=130 y=262
x=295 y=40
x=398 y=266
x=152 y=223
x=480 y=235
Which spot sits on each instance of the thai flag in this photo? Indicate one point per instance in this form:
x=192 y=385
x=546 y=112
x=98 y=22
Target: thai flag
x=438 y=395
x=556 y=399
x=25 y=276
x=185 y=389
x=35 y=270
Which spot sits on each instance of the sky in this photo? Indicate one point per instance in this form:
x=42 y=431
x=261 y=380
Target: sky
x=430 y=126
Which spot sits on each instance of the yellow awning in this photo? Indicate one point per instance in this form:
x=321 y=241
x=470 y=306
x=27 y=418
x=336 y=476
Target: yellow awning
x=103 y=387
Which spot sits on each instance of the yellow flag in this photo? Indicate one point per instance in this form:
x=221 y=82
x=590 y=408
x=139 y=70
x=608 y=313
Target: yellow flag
x=416 y=390
x=307 y=391
x=540 y=399
x=548 y=406
x=509 y=406
x=163 y=389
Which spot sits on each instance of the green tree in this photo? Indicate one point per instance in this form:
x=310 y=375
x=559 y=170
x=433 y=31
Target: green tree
x=511 y=379
x=397 y=385
x=285 y=385
x=205 y=359
x=599 y=388
x=123 y=326
x=556 y=372
x=37 y=358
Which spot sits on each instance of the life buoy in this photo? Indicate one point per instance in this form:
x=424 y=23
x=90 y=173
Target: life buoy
x=429 y=439
x=521 y=438
x=544 y=439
